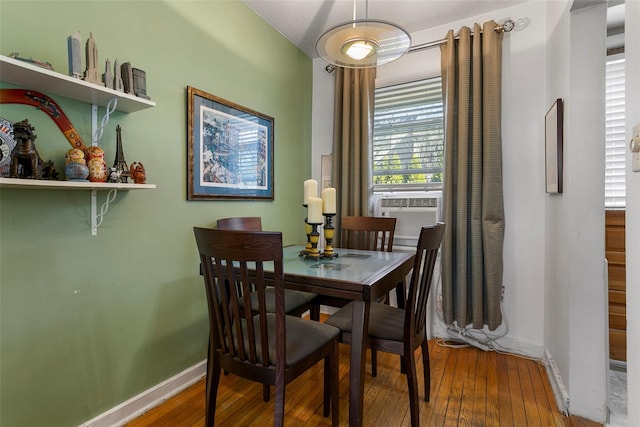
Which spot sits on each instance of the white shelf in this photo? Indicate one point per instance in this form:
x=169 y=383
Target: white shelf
x=37 y=78
x=43 y=184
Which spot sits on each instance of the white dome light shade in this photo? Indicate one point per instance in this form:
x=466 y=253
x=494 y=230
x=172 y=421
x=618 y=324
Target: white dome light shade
x=363 y=44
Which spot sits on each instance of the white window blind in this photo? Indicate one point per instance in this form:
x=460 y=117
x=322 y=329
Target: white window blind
x=615 y=145
x=408 y=135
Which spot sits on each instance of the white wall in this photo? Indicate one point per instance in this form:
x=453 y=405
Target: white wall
x=554 y=272
x=583 y=213
x=523 y=110
x=632 y=62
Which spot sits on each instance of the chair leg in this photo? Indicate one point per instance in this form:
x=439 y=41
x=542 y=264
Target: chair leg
x=314 y=312
x=374 y=362
x=278 y=411
x=426 y=369
x=334 y=361
x=265 y=392
x=213 y=380
x=414 y=405
x=401 y=294
x=328 y=371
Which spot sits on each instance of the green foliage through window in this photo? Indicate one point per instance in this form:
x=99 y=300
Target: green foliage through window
x=408 y=134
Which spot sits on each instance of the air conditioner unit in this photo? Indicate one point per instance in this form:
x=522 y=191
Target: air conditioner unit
x=412 y=212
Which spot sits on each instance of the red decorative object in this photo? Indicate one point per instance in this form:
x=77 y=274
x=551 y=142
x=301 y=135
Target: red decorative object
x=138 y=174
x=48 y=106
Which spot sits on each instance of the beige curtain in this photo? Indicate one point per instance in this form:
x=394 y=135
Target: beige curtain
x=353 y=123
x=473 y=204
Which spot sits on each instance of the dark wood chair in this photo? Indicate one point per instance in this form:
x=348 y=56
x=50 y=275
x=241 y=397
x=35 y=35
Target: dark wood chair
x=373 y=234
x=248 y=223
x=401 y=331
x=296 y=303
x=366 y=233
x=270 y=348
x=370 y=233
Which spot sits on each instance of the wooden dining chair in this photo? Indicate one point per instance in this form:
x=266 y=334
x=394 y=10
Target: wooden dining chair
x=372 y=233
x=269 y=348
x=401 y=331
x=296 y=303
x=367 y=233
x=248 y=223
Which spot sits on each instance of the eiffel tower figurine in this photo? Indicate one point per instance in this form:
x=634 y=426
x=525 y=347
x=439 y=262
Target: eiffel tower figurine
x=120 y=171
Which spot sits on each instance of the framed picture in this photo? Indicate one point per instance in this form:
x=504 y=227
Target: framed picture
x=553 y=147
x=230 y=150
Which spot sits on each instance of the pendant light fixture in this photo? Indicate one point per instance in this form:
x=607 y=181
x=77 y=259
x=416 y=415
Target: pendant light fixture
x=363 y=43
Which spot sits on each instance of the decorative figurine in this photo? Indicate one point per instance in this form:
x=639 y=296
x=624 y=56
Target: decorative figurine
x=75 y=168
x=114 y=175
x=107 y=77
x=91 y=73
x=117 y=77
x=95 y=163
x=39 y=63
x=119 y=164
x=75 y=58
x=7 y=143
x=127 y=77
x=24 y=158
x=140 y=83
x=138 y=174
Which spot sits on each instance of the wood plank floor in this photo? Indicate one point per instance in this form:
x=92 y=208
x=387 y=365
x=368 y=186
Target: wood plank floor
x=469 y=387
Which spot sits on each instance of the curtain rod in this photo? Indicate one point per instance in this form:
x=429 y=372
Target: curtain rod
x=507 y=27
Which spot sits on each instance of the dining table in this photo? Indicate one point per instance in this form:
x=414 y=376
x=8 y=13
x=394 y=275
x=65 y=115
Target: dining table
x=360 y=276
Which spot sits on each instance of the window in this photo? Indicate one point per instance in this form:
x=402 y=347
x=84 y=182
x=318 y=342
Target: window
x=615 y=148
x=408 y=136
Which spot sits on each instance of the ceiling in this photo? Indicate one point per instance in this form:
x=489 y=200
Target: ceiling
x=303 y=21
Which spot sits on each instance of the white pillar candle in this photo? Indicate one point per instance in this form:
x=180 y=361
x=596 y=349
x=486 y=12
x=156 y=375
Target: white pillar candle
x=310 y=190
x=314 y=214
x=329 y=200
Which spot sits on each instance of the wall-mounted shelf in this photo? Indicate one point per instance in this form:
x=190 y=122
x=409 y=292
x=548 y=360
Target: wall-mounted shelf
x=43 y=184
x=37 y=78
x=40 y=79
x=93 y=187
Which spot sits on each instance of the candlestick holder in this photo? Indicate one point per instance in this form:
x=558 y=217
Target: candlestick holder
x=314 y=237
x=307 y=231
x=329 y=231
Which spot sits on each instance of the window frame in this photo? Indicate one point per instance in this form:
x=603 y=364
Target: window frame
x=426 y=82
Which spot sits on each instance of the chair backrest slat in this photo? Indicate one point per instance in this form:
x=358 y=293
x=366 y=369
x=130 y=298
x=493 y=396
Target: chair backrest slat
x=248 y=223
x=367 y=232
x=422 y=278
x=238 y=257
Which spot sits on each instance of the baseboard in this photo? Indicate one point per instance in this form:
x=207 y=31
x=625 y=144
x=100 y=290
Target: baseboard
x=553 y=373
x=148 y=399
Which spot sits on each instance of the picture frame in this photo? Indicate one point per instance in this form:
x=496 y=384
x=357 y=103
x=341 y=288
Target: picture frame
x=554 y=147
x=230 y=150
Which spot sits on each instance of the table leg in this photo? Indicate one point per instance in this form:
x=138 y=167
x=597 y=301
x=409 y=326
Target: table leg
x=359 y=330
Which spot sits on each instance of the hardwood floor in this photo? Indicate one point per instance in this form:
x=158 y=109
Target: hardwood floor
x=468 y=387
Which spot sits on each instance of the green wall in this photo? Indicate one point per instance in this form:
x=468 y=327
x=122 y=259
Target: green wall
x=87 y=322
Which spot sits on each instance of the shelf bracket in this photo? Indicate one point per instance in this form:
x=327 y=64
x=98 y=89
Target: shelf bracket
x=94 y=212
x=97 y=217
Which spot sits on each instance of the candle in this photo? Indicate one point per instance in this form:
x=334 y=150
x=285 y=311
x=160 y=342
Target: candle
x=310 y=190
x=329 y=200
x=314 y=215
